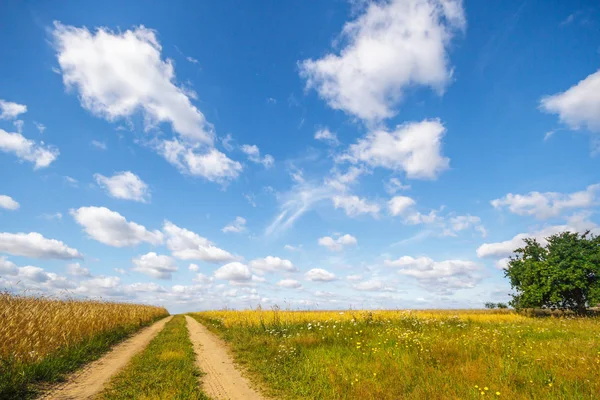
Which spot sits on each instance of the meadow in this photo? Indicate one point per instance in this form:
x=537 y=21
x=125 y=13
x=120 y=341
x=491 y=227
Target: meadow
x=439 y=354
x=42 y=339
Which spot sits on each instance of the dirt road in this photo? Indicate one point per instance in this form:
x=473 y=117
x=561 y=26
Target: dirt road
x=222 y=379
x=90 y=381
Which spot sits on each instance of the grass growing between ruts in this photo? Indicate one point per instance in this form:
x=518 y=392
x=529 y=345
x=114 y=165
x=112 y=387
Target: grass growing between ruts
x=42 y=339
x=164 y=370
x=414 y=355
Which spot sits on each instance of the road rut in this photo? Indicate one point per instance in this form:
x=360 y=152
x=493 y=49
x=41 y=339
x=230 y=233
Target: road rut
x=89 y=381
x=221 y=380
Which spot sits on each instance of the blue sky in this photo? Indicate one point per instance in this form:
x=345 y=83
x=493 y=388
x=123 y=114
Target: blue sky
x=307 y=155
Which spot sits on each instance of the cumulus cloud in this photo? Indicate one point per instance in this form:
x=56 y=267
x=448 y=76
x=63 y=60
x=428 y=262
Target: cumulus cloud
x=319 y=275
x=8 y=203
x=391 y=46
x=7 y=267
x=40 y=154
x=10 y=110
x=289 y=284
x=197 y=160
x=577 y=107
x=34 y=245
x=234 y=271
x=289 y=247
x=327 y=136
x=35 y=274
x=271 y=264
x=548 y=204
x=237 y=226
x=373 y=285
x=253 y=153
x=413 y=147
x=119 y=73
x=154 y=265
x=76 y=269
x=194 y=268
x=441 y=276
x=124 y=185
x=394 y=185
x=354 y=205
x=187 y=245
x=111 y=228
x=339 y=243
x=399 y=205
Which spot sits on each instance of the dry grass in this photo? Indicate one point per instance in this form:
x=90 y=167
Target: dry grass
x=429 y=354
x=35 y=330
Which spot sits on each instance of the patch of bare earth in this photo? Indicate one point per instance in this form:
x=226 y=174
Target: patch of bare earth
x=90 y=380
x=222 y=380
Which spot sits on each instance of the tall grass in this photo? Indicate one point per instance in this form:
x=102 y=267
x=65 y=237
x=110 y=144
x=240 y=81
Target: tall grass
x=42 y=338
x=450 y=354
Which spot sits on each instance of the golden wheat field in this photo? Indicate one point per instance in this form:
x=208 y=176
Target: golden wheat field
x=429 y=354
x=41 y=337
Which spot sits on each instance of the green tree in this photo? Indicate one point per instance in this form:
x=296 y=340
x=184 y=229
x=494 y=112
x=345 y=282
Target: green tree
x=490 y=305
x=564 y=274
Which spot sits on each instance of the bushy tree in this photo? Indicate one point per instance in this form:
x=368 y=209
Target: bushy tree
x=502 y=305
x=490 y=305
x=564 y=274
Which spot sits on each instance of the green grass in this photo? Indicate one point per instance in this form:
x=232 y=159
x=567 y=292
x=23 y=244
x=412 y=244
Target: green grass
x=164 y=370
x=403 y=357
x=27 y=380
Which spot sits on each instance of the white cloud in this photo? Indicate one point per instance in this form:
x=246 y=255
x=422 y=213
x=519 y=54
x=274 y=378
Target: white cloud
x=354 y=205
x=101 y=286
x=99 y=145
x=8 y=203
x=77 y=270
x=237 y=226
x=27 y=150
x=372 y=285
x=35 y=274
x=460 y=223
x=413 y=147
x=10 y=110
x=52 y=216
x=341 y=182
x=188 y=245
x=399 y=205
x=234 y=271
x=339 y=243
x=548 y=204
x=271 y=264
x=394 y=185
x=579 y=106
x=194 y=268
x=120 y=73
x=294 y=204
x=319 y=275
x=124 y=185
x=71 y=181
x=441 y=276
x=7 y=267
x=327 y=136
x=354 y=278
x=40 y=127
x=196 y=160
x=289 y=284
x=392 y=46
x=253 y=153
x=154 y=265
x=34 y=245
x=111 y=228
x=289 y=247
x=120 y=271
